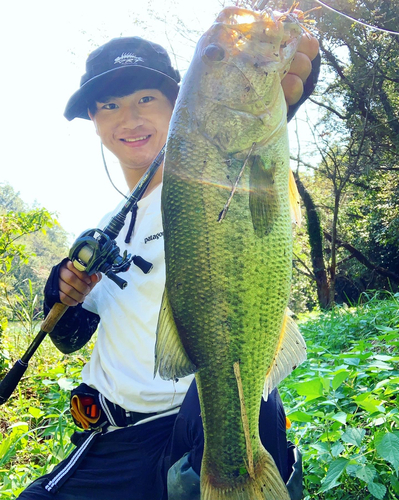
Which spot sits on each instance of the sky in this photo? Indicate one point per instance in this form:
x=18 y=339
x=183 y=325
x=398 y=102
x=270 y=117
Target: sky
x=44 y=45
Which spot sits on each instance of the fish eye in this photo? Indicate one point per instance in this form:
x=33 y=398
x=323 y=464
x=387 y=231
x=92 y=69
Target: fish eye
x=214 y=52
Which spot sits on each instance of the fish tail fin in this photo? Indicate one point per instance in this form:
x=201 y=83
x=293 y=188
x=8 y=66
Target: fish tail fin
x=265 y=484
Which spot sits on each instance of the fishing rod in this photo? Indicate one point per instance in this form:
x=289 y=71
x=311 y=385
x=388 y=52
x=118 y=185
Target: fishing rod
x=95 y=250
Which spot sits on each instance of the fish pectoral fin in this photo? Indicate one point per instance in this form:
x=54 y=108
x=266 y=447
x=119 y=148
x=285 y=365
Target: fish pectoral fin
x=264 y=202
x=295 y=201
x=171 y=359
x=290 y=353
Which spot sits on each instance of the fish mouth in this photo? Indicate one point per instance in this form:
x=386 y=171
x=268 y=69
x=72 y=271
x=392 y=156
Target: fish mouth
x=278 y=34
x=245 y=18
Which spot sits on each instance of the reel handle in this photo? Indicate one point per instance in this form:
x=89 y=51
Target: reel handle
x=116 y=279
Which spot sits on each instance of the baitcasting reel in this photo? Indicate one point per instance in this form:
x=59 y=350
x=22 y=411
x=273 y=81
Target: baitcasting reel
x=95 y=251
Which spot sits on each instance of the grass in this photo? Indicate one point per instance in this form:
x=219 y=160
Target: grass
x=343 y=403
x=35 y=426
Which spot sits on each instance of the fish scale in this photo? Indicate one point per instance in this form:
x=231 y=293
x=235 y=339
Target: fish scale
x=228 y=281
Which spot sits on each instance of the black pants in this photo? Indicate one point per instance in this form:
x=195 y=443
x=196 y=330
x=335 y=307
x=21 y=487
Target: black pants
x=132 y=463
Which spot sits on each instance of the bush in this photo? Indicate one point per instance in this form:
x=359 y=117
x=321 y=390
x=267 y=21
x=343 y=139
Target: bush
x=344 y=402
x=35 y=425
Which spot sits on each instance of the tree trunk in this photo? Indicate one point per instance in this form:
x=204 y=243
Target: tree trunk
x=333 y=265
x=316 y=245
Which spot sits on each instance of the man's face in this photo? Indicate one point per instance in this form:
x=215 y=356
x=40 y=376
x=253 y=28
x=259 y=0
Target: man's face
x=134 y=127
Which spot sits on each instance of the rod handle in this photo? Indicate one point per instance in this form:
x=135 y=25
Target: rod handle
x=52 y=318
x=10 y=381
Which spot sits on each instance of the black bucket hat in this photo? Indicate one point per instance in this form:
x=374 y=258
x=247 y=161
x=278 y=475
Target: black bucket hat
x=131 y=57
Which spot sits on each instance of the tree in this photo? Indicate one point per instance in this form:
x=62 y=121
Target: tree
x=357 y=143
x=31 y=241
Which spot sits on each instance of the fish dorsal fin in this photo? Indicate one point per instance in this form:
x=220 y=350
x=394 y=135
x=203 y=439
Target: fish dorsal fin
x=171 y=359
x=264 y=201
x=290 y=353
x=295 y=201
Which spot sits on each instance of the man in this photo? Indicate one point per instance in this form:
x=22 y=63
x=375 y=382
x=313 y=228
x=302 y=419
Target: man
x=144 y=436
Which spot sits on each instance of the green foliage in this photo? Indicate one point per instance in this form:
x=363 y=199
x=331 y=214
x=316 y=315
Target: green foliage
x=48 y=248
x=14 y=225
x=353 y=181
x=31 y=241
x=344 y=401
x=35 y=425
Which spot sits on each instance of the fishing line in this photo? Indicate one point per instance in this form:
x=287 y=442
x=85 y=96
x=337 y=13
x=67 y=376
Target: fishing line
x=106 y=169
x=223 y=213
x=357 y=20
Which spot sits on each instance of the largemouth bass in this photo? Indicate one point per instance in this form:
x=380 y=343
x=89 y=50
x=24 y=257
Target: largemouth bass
x=228 y=244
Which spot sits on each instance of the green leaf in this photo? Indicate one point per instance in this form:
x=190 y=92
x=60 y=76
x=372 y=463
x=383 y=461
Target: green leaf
x=395 y=484
x=352 y=361
x=380 y=364
x=300 y=416
x=321 y=447
x=340 y=417
x=366 y=473
x=383 y=328
x=334 y=473
x=353 y=436
x=388 y=448
x=5 y=445
x=336 y=449
x=312 y=389
x=352 y=469
x=20 y=425
x=383 y=383
x=339 y=378
x=57 y=370
x=312 y=478
x=377 y=490
x=36 y=412
x=369 y=403
x=383 y=357
x=325 y=382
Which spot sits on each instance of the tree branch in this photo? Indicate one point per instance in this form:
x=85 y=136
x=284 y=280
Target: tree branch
x=309 y=273
x=363 y=259
x=343 y=117
x=299 y=160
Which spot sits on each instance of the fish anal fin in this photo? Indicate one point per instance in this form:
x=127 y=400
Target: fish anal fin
x=265 y=485
x=264 y=202
x=171 y=359
x=290 y=353
x=295 y=201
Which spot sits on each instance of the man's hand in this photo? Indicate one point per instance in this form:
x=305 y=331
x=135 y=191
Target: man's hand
x=75 y=285
x=300 y=69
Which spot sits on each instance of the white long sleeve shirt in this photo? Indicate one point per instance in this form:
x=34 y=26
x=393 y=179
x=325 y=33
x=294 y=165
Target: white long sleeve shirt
x=122 y=363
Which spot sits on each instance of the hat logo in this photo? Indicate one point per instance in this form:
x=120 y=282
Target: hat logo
x=128 y=58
